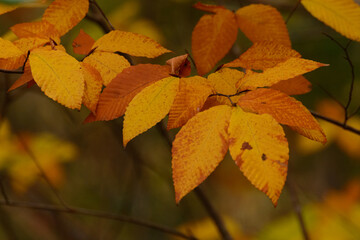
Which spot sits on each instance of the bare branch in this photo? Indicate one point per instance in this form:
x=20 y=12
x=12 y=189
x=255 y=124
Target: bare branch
x=292 y=11
x=12 y=71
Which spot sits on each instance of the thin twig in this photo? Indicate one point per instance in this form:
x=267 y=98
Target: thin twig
x=94 y=213
x=293 y=11
x=111 y=27
x=330 y=95
x=41 y=170
x=340 y=124
x=201 y=196
x=297 y=208
x=213 y=214
x=12 y=71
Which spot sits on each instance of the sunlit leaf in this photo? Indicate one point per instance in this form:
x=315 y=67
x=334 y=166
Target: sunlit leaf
x=258 y=145
x=35 y=29
x=93 y=86
x=9 y=49
x=198 y=148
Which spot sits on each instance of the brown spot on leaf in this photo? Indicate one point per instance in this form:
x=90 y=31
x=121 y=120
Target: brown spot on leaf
x=263 y=102
x=263 y=157
x=245 y=146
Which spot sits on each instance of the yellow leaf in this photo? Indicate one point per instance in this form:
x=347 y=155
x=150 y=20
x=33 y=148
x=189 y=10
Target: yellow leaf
x=189 y=100
x=258 y=145
x=262 y=23
x=224 y=82
x=341 y=15
x=65 y=14
x=198 y=148
x=4 y=8
x=35 y=29
x=8 y=49
x=293 y=86
x=291 y=68
x=93 y=86
x=108 y=64
x=30 y=43
x=212 y=37
x=58 y=75
x=130 y=43
x=263 y=55
x=148 y=107
x=284 y=109
x=12 y=63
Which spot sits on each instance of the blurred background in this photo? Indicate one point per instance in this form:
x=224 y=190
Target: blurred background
x=88 y=166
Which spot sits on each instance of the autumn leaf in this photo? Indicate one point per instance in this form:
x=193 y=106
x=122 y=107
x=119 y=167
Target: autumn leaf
x=208 y=7
x=119 y=93
x=29 y=43
x=284 y=109
x=291 y=68
x=212 y=38
x=4 y=8
x=198 y=148
x=9 y=50
x=263 y=23
x=148 y=107
x=92 y=87
x=35 y=29
x=108 y=64
x=25 y=78
x=130 y=43
x=82 y=43
x=263 y=55
x=294 y=86
x=341 y=15
x=58 y=75
x=258 y=145
x=65 y=14
x=180 y=65
x=189 y=100
x=12 y=63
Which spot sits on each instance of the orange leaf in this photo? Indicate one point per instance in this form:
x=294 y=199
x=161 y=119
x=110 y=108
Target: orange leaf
x=58 y=75
x=263 y=55
x=212 y=37
x=9 y=49
x=291 y=68
x=294 y=86
x=12 y=63
x=35 y=29
x=180 y=65
x=93 y=86
x=25 y=78
x=198 y=148
x=130 y=43
x=258 y=145
x=262 y=23
x=284 y=109
x=30 y=43
x=119 y=93
x=65 y=14
x=189 y=100
x=83 y=43
x=148 y=107
x=208 y=8
x=108 y=64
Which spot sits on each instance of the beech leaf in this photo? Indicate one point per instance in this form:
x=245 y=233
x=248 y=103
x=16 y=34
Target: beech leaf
x=93 y=86
x=83 y=43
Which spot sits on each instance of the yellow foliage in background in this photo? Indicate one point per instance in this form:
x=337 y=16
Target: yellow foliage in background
x=17 y=157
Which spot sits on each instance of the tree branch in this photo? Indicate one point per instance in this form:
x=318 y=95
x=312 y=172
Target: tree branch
x=96 y=214
x=292 y=11
x=342 y=125
x=12 y=71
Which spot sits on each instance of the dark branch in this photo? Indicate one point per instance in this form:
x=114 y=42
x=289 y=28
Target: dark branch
x=292 y=11
x=94 y=213
x=342 y=125
x=12 y=71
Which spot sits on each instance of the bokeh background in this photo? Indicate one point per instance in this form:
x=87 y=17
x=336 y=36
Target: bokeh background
x=89 y=167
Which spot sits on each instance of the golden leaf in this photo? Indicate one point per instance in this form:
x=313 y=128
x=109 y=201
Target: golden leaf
x=58 y=75
x=258 y=145
x=284 y=109
x=12 y=63
x=189 y=100
x=9 y=49
x=293 y=86
x=341 y=15
x=108 y=64
x=35 y=29
x=263 y=55
x=30 y=43
x=291 y=68
x=262 y=23
x=118 y=94
x=92 y=87
x=198 y=148
x=148 y=107
x=65 y=14
x=130 y=43
x=212 y=37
